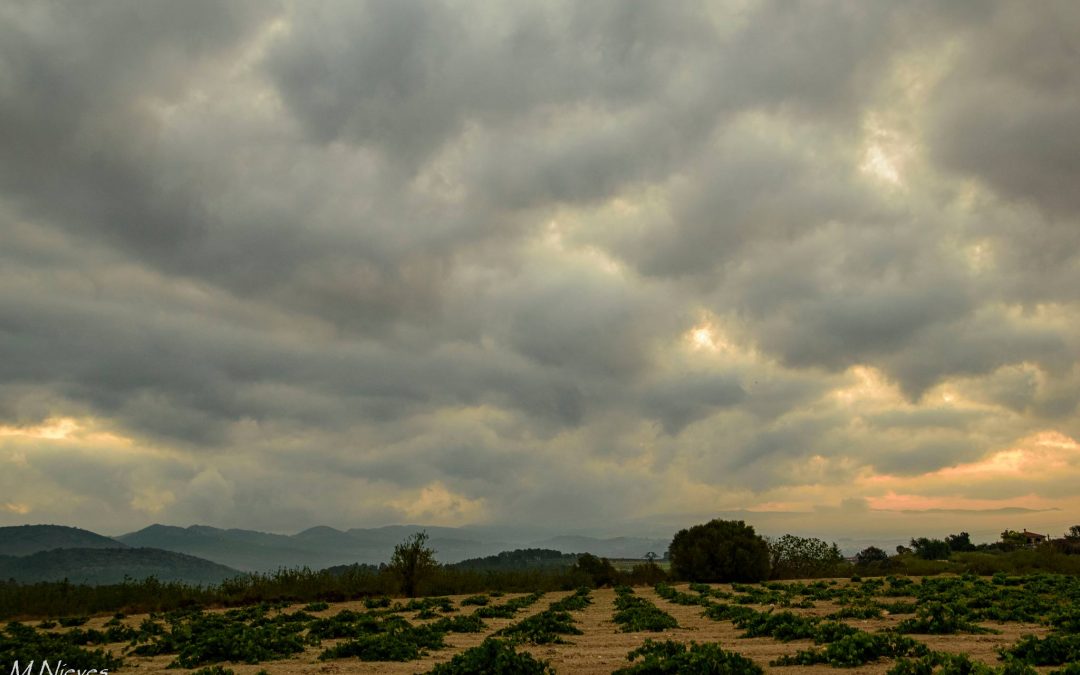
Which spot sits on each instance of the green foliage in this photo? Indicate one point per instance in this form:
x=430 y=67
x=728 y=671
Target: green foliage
x=479 y=600
x=70 y=621
x=856 y=649
x=792 y=557
x=493 y=657
x=509 y=608
x=19 y=642
x=316 y=607
x=720 y=550
x=526 y=558
x=542 y=628
x=580 y=599
x=1053 y=650
x=376 y=603
x=599 y=570
x=941 y=663
x=938 y=618
x=636 y=613
x=960 y=542
x=708 y=658
x=398 y=644
x=459 y=624
x=412 y=561
x=671 y=594
x=871 y=555
x=240 y=636
x=931 y=549
x=857 y=612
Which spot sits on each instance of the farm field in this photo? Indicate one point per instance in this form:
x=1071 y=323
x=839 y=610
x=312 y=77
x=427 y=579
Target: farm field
x=593 y=631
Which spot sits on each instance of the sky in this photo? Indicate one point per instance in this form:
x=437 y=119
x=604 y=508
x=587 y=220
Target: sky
x=599 y=267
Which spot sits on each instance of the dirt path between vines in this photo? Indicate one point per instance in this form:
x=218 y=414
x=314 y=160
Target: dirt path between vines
x=603 y=647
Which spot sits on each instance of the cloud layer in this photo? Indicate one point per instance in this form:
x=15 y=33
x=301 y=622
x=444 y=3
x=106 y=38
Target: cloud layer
x=607 y=266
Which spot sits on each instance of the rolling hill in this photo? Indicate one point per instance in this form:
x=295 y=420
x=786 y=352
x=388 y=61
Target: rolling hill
x=21 y=540
x=111 y=565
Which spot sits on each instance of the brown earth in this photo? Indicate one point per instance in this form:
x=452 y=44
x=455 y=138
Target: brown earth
x=603 y=647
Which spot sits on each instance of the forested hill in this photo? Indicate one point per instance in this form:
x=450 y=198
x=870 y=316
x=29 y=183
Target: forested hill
x=111 y=565
x=22 y=540
x=523 y=558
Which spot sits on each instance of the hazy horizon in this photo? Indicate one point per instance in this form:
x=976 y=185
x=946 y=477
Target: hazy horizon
x=578 y=267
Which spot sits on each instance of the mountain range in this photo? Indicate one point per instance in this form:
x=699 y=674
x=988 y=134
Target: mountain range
x=226 y=552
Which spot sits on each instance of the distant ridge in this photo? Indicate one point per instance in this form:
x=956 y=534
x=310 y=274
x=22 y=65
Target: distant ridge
x=111 y=566
x=21 y=540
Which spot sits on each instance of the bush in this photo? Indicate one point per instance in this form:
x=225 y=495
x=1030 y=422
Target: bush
x=542 y=628
x=856 y=649
x=19 y=642
x=1053 y=650
x=940 y=663
x=404 y=645
x=636 y=614
x=676 y=657
x=493 y=657
x=937 y=618
x=719 y=551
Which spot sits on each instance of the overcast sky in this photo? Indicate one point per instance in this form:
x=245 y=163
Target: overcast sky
x=596 y=266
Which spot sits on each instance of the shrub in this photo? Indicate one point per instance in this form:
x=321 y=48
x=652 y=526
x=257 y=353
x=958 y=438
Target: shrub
x=316 y=607
x=493 y=657
x=571 y=603
x=405 y=645
x=676 y=657
x=940 y=663
x=635 y=613
x=19 y=642
x=937 y=618
x=1053 y=650
x=856 y=649
x=479 y=600
x=720 y=550
x=459 y=624
x=542 y=628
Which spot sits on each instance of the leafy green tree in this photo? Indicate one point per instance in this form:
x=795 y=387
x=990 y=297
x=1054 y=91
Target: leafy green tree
x=931 y=549
x=1073 y=533
x=793 y=557
x=1011 y=540
x=719 y=551
x=602 y=572
x=960 y=542
x=870 y=555
x=412 y=561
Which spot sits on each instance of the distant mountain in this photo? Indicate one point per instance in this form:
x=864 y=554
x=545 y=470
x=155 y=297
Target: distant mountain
x=317 y=547
x=111 y=565
x=21 y=540
x=245 y=550
x=616 y=547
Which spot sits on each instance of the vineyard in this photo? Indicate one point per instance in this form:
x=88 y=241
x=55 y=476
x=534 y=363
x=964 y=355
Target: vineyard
x=894 y=625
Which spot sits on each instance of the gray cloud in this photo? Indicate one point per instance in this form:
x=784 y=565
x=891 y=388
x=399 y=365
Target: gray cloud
x=576 y=263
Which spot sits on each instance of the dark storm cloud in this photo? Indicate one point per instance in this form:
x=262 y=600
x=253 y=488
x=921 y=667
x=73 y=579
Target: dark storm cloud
x=527 y=261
